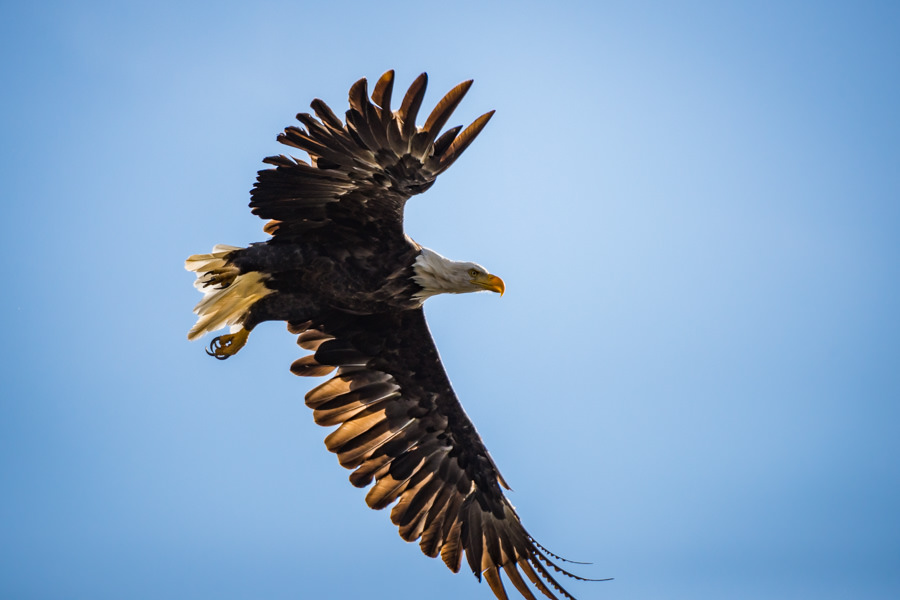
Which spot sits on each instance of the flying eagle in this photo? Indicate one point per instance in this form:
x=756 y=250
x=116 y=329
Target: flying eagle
x=344 y=275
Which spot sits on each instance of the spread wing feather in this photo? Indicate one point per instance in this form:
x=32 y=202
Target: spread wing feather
x=401 y=427
x=360 y=171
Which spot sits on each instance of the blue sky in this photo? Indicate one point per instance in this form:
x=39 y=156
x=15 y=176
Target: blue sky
x=692 y=380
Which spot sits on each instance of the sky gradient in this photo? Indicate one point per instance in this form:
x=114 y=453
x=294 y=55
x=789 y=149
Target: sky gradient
x=692 y=380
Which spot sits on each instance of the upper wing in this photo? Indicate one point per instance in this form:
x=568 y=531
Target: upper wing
x=402 y=427
x=361 y=173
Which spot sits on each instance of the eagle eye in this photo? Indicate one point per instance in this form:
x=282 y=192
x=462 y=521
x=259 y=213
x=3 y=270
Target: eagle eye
x=473 y=273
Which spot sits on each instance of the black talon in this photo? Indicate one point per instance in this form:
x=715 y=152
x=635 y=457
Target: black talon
x=216 y=345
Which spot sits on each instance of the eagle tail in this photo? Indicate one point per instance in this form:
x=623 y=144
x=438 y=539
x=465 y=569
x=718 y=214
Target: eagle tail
x=228 y=294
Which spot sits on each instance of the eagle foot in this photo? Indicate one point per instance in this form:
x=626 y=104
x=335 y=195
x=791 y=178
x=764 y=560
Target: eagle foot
x=218 y=280
x=228 y=345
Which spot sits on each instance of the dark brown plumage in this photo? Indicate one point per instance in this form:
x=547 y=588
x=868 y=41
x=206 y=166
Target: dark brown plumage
x=340 y=270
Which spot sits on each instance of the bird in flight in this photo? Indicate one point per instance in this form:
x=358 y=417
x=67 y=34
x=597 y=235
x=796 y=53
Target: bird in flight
x=343 y=274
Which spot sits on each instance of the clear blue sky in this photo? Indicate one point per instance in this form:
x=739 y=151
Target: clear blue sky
x=693 y=379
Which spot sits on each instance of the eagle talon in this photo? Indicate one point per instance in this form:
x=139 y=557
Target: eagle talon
x=227 y=345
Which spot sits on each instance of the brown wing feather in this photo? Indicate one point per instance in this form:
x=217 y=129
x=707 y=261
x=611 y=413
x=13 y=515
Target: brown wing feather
x=401 y=426
x=359 y=173
x=381 y=96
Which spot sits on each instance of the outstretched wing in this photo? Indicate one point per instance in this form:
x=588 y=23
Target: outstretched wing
x=360 y=173
x=402 y=427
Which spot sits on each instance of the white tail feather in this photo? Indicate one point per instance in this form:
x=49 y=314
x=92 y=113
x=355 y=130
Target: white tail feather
x=228 y=294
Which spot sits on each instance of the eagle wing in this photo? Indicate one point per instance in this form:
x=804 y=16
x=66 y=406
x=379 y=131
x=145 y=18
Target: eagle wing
x=360 y=173
x=402 y=427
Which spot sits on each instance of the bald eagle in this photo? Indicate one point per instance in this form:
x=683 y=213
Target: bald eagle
x=347 y=279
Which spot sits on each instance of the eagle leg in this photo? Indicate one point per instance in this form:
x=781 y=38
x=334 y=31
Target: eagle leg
x=228 y=345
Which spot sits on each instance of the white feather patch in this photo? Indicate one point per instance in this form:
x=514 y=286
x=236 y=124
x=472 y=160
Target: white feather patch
x=223 y=306
x=439 y=275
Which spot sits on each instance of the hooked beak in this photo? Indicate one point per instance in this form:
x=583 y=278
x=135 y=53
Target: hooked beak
x=490 y=282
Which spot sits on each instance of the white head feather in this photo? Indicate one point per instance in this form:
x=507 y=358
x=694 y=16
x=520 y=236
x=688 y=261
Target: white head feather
x=439 y=275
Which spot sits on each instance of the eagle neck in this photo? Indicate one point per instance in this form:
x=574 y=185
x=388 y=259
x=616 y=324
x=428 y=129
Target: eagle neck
x=434 y=274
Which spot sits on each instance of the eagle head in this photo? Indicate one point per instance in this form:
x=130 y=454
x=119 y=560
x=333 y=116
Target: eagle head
x=436 y=274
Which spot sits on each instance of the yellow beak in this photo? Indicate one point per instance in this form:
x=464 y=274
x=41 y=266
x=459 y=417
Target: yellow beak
x=490 y=282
